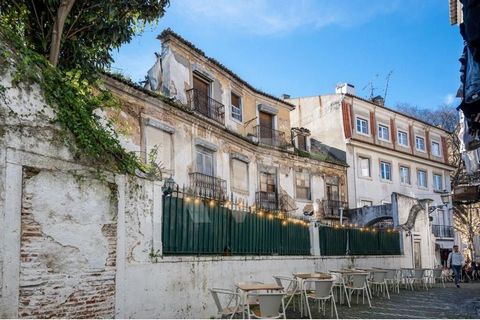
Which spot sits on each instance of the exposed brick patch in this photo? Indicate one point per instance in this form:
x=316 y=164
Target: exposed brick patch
x=60 y=286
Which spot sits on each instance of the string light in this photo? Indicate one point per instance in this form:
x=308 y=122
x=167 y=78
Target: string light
x=284 y=222
x=260 y=213
x=270 y=216
x=212 y=203
x=197 y=200
x=187 y=199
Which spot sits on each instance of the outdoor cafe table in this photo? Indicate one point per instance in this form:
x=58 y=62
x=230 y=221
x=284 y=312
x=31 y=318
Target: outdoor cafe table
x=246 y=287
x=301 y=277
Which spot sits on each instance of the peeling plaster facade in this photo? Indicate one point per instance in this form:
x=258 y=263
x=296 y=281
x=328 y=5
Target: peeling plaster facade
x=179 y=134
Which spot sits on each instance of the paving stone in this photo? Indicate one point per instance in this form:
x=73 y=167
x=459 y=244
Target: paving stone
x=437 y=302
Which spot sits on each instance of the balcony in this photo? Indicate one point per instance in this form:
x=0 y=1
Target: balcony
x=441 y=231
x=206 y=106
x=207 y=186
x=266 y=200
x=331 y=208
x=270 y=137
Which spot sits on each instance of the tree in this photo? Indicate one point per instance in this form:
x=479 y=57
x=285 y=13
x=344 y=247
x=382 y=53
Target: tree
x=466 y=214
x=80 y=33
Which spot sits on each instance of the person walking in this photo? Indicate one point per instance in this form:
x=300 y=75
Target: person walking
x=456 y=261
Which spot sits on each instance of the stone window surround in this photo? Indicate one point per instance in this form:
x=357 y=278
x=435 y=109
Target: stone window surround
x=365 y=156
x=439 y=148
x=382 y=124
x=380 y=170
x=357 y=118
x=235 y=92
x=295 y=183
x=406 y=135
x=245 y=159
x=426 y=178
x=424 y=146
x=437 y=173
x=160 y=125
x=401 y=165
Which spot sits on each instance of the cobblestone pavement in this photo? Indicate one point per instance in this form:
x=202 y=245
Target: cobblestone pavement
x=437 y=302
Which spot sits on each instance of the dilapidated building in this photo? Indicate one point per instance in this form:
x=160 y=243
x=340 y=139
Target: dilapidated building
x=220 y=137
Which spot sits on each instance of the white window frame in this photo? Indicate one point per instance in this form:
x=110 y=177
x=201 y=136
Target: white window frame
x=418 y=178
x=360 y=120
x=399 y=133
x=240 y=107
x=439 y=154
x=435 y=175
x=383 y=128
x=409 y=177
x=417 y=139
x=382 y=165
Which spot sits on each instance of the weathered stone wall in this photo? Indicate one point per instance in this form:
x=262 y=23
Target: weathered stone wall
x=58 y=230
x=68 y=246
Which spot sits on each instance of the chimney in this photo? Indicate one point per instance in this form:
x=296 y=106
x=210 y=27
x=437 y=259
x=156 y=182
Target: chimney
x=345 y=88
x=285 y=96
x=379 y=101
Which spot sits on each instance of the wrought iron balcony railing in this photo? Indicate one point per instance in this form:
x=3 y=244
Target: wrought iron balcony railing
x=269 y=136
x=206 y=106
x=266 y=200
x=441 y=231
x=208 y=186
x=331 y=208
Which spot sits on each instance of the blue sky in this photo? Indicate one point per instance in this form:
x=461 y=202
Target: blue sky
x=306 y=47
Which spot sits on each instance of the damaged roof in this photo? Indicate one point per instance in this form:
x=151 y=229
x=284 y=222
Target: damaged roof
x=169 y=33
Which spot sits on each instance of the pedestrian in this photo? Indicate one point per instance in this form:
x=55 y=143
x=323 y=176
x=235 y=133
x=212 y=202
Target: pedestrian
x=456 y=261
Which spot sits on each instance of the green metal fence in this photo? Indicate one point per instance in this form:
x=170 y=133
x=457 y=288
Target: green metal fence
x=342 y=241
x=206 y=227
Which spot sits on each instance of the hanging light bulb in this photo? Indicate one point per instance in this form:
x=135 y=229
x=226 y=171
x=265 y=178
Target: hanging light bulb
x=270 y=216
x=212 y=203
x=197 y=200
x=284 y=223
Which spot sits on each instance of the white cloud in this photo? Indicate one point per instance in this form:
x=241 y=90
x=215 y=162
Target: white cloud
x=276 y=17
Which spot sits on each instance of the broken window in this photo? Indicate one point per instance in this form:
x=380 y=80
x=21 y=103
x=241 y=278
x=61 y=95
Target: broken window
x=302 y=178
x=239 y=171
x=162 y=141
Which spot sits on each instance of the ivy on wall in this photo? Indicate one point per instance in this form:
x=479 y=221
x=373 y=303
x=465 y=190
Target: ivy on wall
x=75 y=100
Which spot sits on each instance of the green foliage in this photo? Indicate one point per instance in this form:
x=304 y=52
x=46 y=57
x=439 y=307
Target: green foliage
x=76 y=101
x=92 y=28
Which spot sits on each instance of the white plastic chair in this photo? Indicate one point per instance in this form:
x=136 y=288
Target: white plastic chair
x=228 y=309
x=438 y=274
x=358 y=283
x=270 y=305
x=379 y=282
x=419 y=278
x=407 y=278
x=339 y=285
x=392 y=279
x=322 y=292
x=291 y=289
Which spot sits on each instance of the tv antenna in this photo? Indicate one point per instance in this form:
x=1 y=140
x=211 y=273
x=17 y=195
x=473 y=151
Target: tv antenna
x=387 y=79
x=370 y=85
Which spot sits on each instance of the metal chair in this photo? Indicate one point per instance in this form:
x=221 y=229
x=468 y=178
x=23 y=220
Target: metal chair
x=228 y=309
x=378 y=281
x=358 y=282
x=269 y=305
x=291 y=290
x=322 y=292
